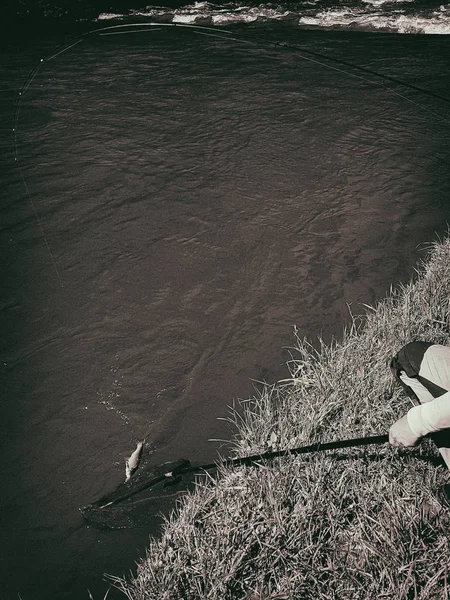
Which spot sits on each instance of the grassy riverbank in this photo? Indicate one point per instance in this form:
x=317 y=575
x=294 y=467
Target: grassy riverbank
x=356 y=526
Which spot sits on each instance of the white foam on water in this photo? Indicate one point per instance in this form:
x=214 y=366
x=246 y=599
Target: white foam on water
x=330 y=18
x=381 y=2
x=269 y=13
x=185 y=18
x=233 y=18
x=201 y=5
x=434 y=26
x=239 y=14
x=437 y=24
x=371 y=17
x=108 y=16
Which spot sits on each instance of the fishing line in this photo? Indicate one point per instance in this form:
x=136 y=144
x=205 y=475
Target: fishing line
x=63 y=50
x=124 y=28
x=41 y=228
x=303 y=51
x=125 y=32
x=382 y=84
x=64 y=47
x=292 y=47
x=364 y=69
x=414 y=103
x=200 y=29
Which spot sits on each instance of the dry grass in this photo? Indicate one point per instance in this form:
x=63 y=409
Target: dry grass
x=325 y=527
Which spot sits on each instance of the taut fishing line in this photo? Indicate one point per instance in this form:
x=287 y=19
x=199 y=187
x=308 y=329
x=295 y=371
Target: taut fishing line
x=304 y=53
x=22 y=92
x=201 y=29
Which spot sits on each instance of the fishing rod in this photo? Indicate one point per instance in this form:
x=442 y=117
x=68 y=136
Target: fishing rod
x=183 y=466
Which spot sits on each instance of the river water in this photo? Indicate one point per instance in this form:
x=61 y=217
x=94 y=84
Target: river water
x=173 y=202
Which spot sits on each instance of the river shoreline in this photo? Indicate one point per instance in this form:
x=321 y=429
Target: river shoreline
x=360 y=524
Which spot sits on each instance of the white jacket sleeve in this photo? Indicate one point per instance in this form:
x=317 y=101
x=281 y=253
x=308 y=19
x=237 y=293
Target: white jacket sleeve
x=431 y=416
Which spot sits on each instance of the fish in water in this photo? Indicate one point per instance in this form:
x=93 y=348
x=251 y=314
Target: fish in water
x=132 y=462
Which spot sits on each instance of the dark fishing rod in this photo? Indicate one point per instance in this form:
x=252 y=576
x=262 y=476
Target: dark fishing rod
x=184 y=466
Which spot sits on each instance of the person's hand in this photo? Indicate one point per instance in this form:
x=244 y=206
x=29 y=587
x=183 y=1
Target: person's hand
x=400 y=434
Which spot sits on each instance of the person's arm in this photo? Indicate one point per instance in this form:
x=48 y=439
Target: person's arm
x=431 y=416
x=420 y=420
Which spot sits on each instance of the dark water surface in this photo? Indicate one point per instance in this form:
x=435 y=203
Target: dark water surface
x=178 y=203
